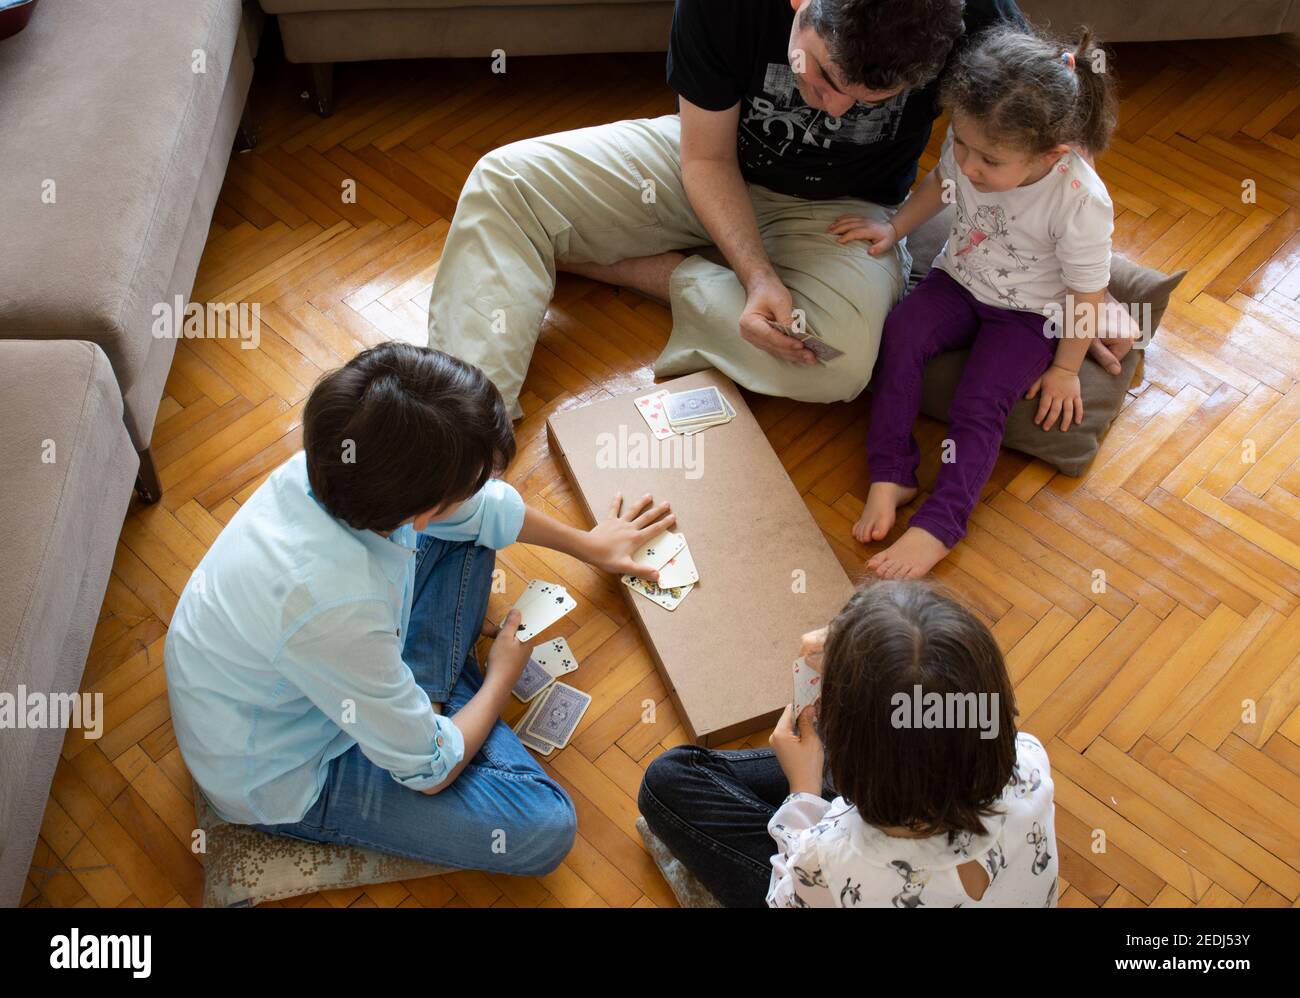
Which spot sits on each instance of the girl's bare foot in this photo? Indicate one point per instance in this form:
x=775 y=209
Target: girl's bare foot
x=883 y=500
x=909 y=557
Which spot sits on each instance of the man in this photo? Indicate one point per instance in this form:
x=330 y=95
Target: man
x=320 y=661
x=792 y=114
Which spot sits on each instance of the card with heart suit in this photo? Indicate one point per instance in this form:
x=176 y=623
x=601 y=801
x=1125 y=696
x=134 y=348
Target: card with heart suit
x=556 y=657
x=557 y=714
x=679 y=571
x=807 y=687
x=659 y=550
x=669 y=599
x=651 y=408
x=542 y=748
x=541 y=605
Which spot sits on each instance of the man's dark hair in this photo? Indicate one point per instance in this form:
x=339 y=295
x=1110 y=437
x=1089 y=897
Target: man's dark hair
x=890 y=638
x=400 y=429
x=885 y=44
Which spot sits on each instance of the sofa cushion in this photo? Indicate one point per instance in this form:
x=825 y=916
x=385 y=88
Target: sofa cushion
x=104 y=111
x=68 y=466
x=1103 y=394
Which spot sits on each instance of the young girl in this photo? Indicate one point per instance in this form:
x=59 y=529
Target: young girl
x=941 y=803
x=1031 y=239
x=930 y=806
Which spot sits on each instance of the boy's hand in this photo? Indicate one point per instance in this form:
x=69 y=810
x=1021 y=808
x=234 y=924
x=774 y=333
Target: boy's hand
x=509 y=655
x=882 y=235
x=766 y=300
x=1060 y=397
x=802 y=758
x=611 y=543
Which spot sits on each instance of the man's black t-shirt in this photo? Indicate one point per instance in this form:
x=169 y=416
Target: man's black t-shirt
x=726 y=51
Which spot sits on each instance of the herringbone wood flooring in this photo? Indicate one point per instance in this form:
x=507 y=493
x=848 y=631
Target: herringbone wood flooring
x=1137 y=691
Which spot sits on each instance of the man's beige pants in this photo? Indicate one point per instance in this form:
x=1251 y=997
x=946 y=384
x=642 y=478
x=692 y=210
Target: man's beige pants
x=603 y=194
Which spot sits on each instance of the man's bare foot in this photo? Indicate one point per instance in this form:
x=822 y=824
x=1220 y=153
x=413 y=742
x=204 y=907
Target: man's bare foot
x=909 y=557
x=878 y=515
x=650 y=275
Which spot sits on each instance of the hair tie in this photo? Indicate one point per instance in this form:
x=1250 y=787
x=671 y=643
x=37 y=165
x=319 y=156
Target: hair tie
x=1067 y=57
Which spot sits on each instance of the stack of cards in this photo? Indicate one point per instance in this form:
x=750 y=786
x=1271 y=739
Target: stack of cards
x=549 y=662
x=541 y=605
x=551 y=720
x=677 y=572
x=684 y=412
x=822 y=350
x=698 y=409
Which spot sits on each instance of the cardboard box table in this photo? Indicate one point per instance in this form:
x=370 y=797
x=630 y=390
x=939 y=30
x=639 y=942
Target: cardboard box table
x=767 y=574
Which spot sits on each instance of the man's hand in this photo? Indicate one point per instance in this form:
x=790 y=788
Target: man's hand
x=881 y=235
x=769 y=299
x=1061 y=396
x=509 y=655
x=802 y=758
x=612 y=542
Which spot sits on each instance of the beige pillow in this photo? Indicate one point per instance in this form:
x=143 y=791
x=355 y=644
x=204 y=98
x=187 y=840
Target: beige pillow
x=1103 y=394
x=244 y=866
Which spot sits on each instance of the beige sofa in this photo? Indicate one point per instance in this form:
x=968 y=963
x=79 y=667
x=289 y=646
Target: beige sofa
x=320 y=33
x=113 y=148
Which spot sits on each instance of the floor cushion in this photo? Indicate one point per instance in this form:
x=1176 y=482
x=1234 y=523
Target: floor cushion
x=243 y=866
x=1103 y=393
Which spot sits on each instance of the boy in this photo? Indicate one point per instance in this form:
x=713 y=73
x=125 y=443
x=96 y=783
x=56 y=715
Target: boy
x=310 y=649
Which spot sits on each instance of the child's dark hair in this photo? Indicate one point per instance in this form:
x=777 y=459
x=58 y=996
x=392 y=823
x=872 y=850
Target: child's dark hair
x=399 y=430
x=1034 y=92
x=883 y=44
x=891 y=638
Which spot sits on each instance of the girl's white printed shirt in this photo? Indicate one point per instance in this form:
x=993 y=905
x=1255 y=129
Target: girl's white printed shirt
x=1024 y=248
x=828 y=857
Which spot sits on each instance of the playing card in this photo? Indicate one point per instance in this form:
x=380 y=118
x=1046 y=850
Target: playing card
x=688 y=429
x=698 y=403
x=531 y=681
x=807 y=687
x=659 y=549
x=557 y=715
x=541 y=605
x=651 y=408
x=536 y=744
x=556 y=657
x=669 y=599
x=679 y=571
x=822 y=350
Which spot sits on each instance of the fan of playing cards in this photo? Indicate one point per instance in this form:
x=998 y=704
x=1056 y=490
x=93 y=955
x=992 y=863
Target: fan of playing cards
x=822 y=350
x=677 y=573
x=686 y=412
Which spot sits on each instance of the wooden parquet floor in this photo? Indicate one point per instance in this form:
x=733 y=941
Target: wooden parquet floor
x=1137 y=691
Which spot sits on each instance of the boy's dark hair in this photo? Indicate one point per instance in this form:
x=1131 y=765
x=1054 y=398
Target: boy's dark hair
x=1033 y=91
x=884 y=44
x=890 y=638
x=400 y=429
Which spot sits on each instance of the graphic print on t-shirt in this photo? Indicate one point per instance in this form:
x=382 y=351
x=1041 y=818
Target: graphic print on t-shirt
x=779 y=124
x=973 y=234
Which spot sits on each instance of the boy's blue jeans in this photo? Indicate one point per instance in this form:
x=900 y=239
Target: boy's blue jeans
x=502 y=813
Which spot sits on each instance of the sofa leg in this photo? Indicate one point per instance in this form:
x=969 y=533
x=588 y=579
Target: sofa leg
x=147 y=485
x=246 y=136
x=321 y=92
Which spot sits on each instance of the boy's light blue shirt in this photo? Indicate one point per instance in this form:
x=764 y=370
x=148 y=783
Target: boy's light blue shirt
x=285 y=650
